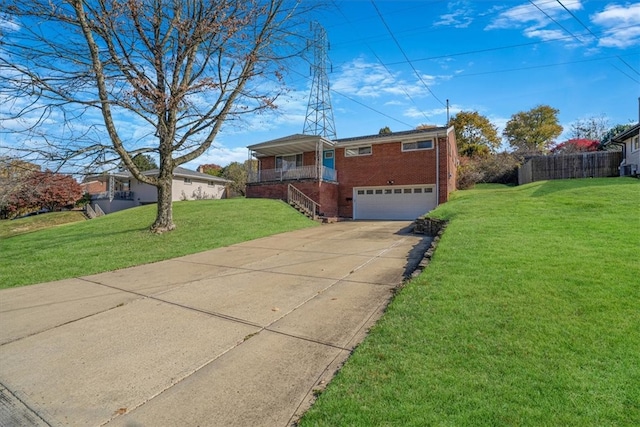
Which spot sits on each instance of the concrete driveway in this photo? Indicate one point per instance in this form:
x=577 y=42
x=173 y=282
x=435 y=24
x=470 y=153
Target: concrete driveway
x=236 y=336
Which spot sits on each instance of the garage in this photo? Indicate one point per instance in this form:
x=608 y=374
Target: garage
x=394 y=202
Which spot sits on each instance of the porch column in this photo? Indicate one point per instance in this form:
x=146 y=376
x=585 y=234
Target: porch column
x=319 y=155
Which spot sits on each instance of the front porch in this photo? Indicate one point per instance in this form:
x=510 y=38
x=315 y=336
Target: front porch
x=304 y=162
x=313 y=172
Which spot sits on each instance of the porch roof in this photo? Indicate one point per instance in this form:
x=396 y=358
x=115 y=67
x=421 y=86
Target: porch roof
x=177 y=173
x=297 y=143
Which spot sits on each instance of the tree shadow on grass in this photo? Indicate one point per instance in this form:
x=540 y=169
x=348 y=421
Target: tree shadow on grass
x=558 y=185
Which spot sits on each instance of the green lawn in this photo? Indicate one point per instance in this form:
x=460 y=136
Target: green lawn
x=528 y=315
x=38 y=222
x=122 y=239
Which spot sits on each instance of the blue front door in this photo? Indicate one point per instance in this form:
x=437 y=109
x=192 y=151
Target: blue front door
x=327 y=159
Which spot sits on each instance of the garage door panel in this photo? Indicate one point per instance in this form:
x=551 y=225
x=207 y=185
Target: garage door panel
x=401 y=203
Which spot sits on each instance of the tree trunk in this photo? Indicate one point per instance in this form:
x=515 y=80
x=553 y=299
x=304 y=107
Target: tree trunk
x=164 y=216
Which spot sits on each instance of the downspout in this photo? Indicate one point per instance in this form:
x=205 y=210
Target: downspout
x=624 y=148
x=624 y=154
x=437 y=170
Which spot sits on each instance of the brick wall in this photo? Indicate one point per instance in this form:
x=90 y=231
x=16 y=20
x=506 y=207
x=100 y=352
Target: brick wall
x=327 y=198
x=386 y=163
x=308 y=159
x=267 y=191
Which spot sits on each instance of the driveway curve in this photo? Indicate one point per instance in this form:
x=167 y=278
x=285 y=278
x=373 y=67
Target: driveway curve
x=236 y=336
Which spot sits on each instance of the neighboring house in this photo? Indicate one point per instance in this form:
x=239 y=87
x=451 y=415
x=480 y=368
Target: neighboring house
x=630 y=143
x=117 y=191
x=400 y=176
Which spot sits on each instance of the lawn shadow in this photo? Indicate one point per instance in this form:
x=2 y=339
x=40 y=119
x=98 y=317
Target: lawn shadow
x=558 y=185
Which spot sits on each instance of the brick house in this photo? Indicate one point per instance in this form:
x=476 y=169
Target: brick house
x=400 y=176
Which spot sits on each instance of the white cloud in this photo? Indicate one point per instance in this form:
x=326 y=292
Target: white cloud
x=535 y=21
x=527 y=13
x=361 y=78
x=460 y=15
x=371 y=80
x=8 y=25
x=220 y=155
x=620 y=25
x=543 y=35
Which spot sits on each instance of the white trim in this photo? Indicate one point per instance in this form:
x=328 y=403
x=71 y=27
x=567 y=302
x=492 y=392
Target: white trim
x=431 y=141
x=358 y=154
x=275 y=160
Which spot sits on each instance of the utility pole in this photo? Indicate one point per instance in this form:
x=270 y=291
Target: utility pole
x=447 y=113
x=319 y=118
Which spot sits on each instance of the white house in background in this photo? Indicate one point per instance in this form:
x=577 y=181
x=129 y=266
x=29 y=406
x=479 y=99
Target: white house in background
x=630 y=142
x=117 y=191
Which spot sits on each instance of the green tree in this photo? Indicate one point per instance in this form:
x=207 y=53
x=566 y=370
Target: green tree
x=211 y=169
x=144 y=162
x=238 y=173
x=385 y=131
x=611 y=133
x=180 y=69
x=533 y=131
x=475 y=134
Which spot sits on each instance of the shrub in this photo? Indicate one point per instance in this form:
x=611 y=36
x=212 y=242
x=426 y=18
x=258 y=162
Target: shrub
x=501 y=168
x=468 y=173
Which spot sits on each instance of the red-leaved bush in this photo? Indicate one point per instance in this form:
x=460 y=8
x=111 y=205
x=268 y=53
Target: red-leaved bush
x=576 y=145
x=45 y=190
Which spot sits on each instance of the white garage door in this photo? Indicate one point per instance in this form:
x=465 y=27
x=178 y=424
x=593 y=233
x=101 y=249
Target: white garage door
x=396 y=202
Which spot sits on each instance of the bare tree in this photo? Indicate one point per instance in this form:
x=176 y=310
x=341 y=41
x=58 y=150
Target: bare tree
x=590 y=128
x=175 y=70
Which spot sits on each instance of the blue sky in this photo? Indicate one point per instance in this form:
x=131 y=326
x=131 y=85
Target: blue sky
x=498 y=58
x=396 y=63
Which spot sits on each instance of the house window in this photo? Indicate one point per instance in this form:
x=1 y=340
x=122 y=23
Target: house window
x=328 y=154
x=360 y=192
x=387 y=191
x=417 y=190
x=407 y=191
x=357 y=151
x=419 y=145
x=369 y=191
x=428 y=190
x=211 y=183
x=635 y=144
x=187 y=181
x=397 y=191
x=291 y=161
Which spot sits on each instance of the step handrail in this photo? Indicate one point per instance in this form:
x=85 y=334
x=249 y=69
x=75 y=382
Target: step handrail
x=302 y=201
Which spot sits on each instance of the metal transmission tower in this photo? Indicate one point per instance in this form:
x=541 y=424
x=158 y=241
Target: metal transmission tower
x=319 y=119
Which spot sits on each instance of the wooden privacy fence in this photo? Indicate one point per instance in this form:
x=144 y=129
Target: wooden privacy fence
x=581 y=165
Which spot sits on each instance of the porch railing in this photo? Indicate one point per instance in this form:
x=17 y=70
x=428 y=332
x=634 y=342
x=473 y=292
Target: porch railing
x=117 y=195
x=303 y=172
x=302 y=202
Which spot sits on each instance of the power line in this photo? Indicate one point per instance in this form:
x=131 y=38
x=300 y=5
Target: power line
x=533 y=67
x=405 y=55
x=492 y=49
x=554 y=21
x=576 y=18
x=598 y=38
x=385 y=67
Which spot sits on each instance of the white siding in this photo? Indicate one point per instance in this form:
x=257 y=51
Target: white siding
x=196 y=189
